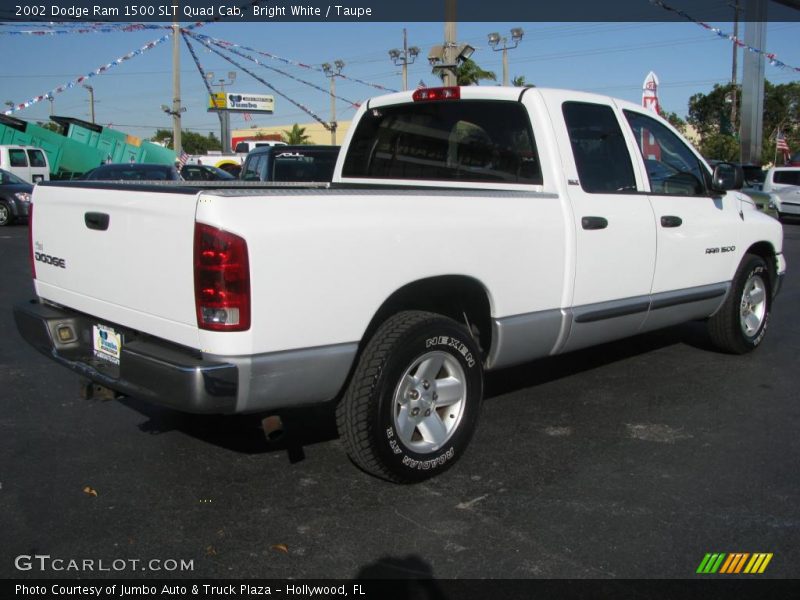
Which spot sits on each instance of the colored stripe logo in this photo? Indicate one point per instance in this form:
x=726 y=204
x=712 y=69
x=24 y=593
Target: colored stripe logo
x=734 y=563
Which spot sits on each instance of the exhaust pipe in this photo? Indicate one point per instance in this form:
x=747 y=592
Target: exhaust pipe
x=273 y=427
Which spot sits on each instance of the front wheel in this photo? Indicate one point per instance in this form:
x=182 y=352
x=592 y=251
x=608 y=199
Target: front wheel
x=740 y=324
x=414 y=400
x=6 y=218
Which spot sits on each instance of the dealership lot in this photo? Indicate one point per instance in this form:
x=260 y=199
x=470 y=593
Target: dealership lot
x=633 y=459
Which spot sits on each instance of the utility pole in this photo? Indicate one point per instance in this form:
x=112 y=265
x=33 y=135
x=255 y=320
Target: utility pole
x=333 y=72
x=405 y=57
x=91 y=99
x=734 y=94
x=450 y=49
x=176 y=81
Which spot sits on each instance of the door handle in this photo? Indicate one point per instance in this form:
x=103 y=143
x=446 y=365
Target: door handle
x=96 y=220
x=594 y=223
x=671 y=221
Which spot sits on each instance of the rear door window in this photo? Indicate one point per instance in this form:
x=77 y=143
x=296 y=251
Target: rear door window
x=463 y=140
x=17 y=158
x=787 y=177
x=601 y=154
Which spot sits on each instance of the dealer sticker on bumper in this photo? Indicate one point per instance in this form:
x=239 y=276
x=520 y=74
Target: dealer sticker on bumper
x=107 y=343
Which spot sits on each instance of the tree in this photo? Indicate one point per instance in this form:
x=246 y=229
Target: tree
x=469 y=73
x=296 y=135
x=720 y=146
x=192 y=143
x=50 y=126
x=519 y=81
x=675 y=121
x=710 y=115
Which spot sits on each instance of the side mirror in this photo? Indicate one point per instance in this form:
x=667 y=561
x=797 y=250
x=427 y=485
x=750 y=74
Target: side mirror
x=727 y=176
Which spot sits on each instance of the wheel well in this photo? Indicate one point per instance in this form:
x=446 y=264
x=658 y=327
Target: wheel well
x=456 y=296
x=767 y=252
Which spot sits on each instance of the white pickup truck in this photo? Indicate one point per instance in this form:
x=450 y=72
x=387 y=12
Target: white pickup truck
x=466 y=230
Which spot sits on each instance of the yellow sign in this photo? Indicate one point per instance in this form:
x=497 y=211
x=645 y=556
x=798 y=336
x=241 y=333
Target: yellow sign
x=218 y=100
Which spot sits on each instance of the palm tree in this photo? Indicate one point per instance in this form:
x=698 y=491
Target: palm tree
x=519 y=81
x=296 y=135
x=469 y=73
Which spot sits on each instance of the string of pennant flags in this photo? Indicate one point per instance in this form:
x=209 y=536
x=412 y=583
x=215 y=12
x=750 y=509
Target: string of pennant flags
x=771 y=57
x=79 y=80
x=227 y=45
x=299 y=105
x=280 y=71
x=59 y=29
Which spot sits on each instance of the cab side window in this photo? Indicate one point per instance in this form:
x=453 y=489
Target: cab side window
x=37 y=158
x=601 y=155
x=672 y=168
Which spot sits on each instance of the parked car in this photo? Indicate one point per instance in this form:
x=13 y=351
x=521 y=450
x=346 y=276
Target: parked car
x=290 y=163
x=794 y=161
x=783 y=186
x=15 y=198
x=195 y=172
x=133 y=172
x=29 y=163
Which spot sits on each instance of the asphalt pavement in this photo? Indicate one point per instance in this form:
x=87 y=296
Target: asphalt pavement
x=633 y=459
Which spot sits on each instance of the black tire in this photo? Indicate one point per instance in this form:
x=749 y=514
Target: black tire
x=6 y=216
x=728 y=328
x=368 y=415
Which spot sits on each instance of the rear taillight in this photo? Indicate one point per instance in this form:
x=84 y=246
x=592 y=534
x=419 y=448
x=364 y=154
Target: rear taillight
x=439 y=93
x=221 y=280
x=30 y=239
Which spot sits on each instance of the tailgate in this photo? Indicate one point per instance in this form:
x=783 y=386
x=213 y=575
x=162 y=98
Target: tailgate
x=123 y=255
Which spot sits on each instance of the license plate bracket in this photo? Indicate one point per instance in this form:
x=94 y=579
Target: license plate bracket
x=107 y=343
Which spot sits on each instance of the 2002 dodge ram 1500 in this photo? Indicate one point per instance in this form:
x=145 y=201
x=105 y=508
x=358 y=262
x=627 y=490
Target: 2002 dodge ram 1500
x=466 y=229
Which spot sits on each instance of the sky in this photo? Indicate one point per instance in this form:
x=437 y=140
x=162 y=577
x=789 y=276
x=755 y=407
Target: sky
x=607 y=58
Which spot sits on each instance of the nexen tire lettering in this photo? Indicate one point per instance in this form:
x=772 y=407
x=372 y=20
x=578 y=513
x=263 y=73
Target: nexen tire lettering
x=50 y=260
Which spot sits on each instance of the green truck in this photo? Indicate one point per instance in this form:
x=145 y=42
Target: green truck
x=79 y=146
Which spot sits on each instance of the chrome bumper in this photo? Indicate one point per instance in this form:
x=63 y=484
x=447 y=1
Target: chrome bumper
x=149 y=369
x=185 y=379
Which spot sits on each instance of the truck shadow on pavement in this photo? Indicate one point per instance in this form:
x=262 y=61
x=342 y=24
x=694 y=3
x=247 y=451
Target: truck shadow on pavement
x=317 y=424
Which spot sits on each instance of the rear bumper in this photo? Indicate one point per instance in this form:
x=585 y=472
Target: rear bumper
x=148 y=369
x=184 y=379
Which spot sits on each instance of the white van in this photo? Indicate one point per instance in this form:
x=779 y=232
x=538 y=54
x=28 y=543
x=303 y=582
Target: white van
x=779 y=178
x=26 y=162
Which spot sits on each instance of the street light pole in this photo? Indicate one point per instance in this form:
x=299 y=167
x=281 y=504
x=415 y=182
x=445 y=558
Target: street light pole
x=333 y=72
x=223 y=114
x=500 y=43
x=404 y=58
x=449 y=57
x=176 y=81
x=91 y=99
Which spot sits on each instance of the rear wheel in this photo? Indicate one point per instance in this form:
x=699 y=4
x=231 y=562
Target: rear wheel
x=740 y=324
x=6 y=218
x=414 y=400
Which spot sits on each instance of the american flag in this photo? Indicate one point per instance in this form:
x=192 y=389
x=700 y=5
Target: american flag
x=780 y=143
x=247 y=116
x=182 y=160
x=421 y=85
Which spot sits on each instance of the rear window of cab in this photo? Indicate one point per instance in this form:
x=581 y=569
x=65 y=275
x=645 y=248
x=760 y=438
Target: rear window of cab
x=466 y=140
